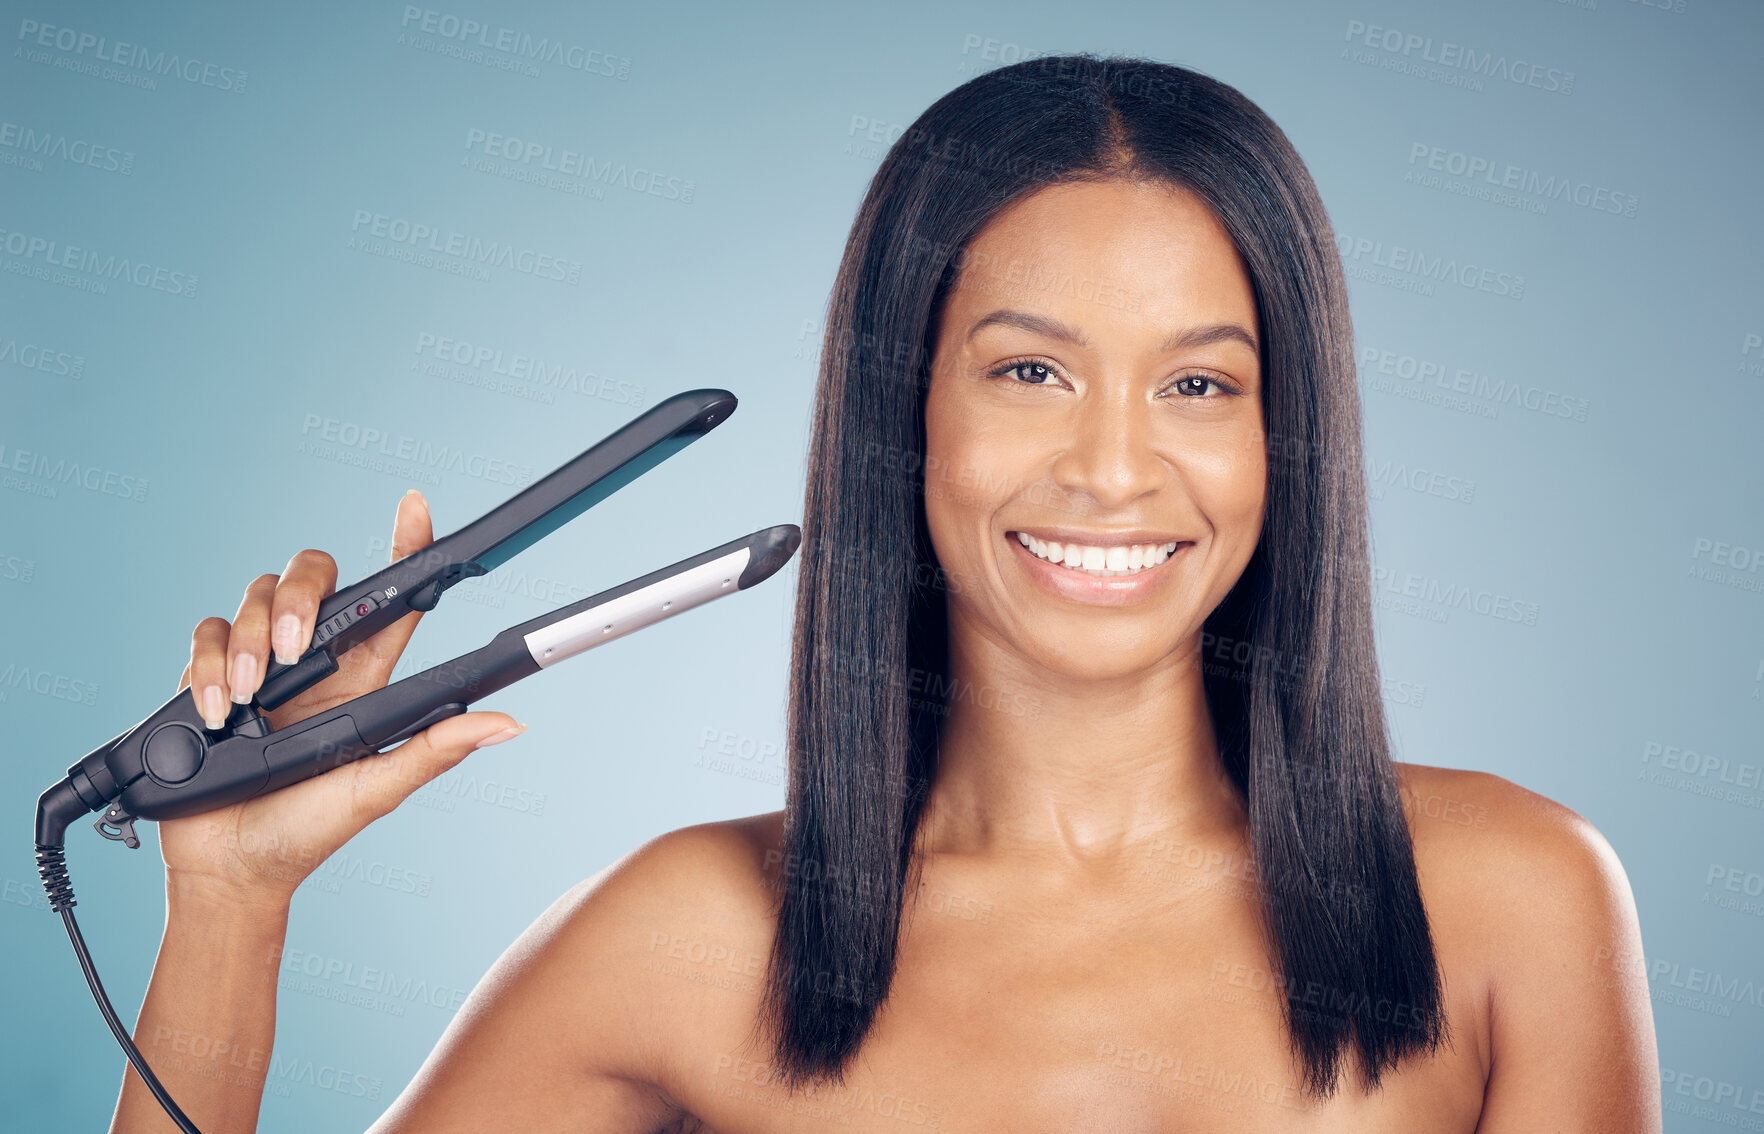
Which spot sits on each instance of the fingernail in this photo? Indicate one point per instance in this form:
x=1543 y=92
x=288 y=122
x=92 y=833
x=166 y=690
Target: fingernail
x=287 y=638
x=499 y=737
x=214 y=711
x=244 y=678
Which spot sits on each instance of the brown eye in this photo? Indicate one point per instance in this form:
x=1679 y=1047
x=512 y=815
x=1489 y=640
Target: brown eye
x=1042 y=375
x=1194 y=385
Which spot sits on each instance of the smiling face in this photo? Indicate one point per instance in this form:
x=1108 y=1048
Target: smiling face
x=1092 y=389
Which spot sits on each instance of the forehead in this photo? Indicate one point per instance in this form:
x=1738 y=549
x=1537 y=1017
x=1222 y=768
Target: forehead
x=1095 y=251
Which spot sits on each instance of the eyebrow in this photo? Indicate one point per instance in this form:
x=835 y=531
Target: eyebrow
x=1054 y=329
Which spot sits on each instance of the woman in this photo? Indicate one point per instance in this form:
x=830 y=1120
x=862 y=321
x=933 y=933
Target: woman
x=1092 y=822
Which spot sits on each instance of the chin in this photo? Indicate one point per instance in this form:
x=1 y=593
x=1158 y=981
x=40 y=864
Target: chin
x=1096 y=657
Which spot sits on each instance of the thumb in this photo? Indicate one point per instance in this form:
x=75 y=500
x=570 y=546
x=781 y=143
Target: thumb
x=383 y=782
x=412 y=527
x=412 y=530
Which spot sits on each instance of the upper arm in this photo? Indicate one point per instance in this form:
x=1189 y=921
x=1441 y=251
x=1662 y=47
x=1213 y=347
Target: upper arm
x=1572 y=1027
x=567 y=1031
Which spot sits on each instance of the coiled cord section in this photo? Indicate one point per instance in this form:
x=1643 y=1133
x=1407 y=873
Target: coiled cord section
x=52 y=867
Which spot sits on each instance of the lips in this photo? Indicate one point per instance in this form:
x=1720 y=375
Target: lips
x=1107 y=561
x=1099 y=538
x=1077 y=585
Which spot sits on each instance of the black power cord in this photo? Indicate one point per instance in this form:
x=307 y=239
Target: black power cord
x=52 y=866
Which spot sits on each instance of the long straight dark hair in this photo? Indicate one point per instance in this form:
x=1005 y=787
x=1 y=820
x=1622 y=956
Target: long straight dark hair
x=1291 y=676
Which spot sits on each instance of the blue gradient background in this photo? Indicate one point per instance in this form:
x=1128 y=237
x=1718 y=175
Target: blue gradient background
x=1611 y=528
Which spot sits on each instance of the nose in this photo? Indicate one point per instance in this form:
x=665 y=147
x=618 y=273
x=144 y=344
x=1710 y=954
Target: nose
x=1108 y=460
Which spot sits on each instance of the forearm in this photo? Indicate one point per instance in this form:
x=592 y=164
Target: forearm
x=209 y=1018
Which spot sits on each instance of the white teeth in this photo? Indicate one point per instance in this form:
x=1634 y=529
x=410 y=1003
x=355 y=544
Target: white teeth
x=1118 y=560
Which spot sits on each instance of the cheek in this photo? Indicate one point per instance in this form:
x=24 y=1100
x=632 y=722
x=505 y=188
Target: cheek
x=1230 y=487
x=1248 y=502
x=962 y=456
x=970 y=474
x=945 y=446
x=972 y=468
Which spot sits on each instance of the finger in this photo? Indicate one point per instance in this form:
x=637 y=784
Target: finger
x=248 y=645
x=208 y=669
x=310 y=576
x=184 y=678
x=383 y=782
x=412 y=530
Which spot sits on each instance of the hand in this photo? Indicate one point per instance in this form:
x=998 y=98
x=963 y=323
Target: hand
x=261 y=849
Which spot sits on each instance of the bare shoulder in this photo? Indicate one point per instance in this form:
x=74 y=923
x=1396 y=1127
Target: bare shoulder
x=690 y=894
x=686 y=921
x=1503 y=847
x=702 y=869
x=591 y=1013
x=1505 y=870
x=1536 y=894
x=1481 y=821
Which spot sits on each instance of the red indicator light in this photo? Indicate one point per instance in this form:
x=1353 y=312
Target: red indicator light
x=362 y=608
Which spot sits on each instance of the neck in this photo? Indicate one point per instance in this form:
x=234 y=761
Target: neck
x=1032 y=762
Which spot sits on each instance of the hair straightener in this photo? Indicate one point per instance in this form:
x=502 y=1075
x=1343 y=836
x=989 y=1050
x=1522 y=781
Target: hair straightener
x=172 y=765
